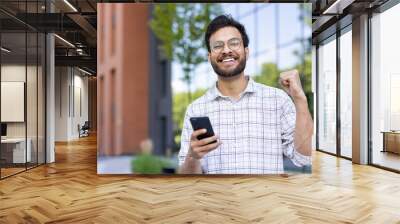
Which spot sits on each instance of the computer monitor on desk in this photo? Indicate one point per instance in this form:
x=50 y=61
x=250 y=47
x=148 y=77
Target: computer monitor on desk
x=3 y=130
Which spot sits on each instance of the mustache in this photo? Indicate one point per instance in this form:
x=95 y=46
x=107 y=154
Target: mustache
x=222 y=57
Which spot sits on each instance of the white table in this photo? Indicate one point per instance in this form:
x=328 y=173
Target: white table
x=19 y=149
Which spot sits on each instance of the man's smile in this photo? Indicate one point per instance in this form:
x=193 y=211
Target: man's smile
x=228 y=60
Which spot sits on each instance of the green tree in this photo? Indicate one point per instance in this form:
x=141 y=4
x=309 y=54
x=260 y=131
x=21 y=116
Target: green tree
x=181 y=28
x=180 y=104
x=269 y=75
x=306 y=80
x=304 y=57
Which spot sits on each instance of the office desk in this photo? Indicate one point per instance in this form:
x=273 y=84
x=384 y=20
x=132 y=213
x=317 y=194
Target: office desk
x=15 y=148
x=391 y=141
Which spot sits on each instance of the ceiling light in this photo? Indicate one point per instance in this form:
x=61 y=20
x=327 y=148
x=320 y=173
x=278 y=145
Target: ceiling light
x=84 y=71
x=5 y=50
x=70 y=5
x=338 y=6
x=331 y=7
x=65 y=41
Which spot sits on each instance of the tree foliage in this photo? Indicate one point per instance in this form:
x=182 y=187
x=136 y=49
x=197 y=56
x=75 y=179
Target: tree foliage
x=180 y=104
x=181 y=28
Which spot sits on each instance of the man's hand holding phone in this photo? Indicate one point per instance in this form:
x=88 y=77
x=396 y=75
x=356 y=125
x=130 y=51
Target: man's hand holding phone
x=202 y=141
x=199 y=148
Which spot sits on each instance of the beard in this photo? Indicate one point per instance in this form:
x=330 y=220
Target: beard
x=231 y=72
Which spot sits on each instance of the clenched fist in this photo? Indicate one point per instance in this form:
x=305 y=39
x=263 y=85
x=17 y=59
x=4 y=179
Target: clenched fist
x=290 y=81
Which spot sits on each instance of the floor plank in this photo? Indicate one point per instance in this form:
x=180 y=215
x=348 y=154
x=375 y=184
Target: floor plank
x=70 y=191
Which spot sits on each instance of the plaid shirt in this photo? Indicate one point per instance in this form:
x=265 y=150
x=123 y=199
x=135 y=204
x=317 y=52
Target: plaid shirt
x=255 y=131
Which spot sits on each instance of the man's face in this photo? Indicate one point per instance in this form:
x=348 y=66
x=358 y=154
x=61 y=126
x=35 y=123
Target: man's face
x=228 y=55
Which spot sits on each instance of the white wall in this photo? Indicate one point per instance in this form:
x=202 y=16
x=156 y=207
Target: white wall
x=70 y=83
x=12 y=73
x=33 y=126
x=12 y=100
x=61 y=103
x=81 y=100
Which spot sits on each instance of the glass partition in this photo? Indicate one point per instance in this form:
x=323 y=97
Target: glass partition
x=41 y=87
x=327 y=96
x=31 y=100
x=22 y=88
x=14 y=152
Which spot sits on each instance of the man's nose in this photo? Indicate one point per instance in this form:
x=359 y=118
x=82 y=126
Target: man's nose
x=226 y=49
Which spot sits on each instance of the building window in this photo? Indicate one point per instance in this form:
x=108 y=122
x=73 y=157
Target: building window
x=385 y=89
x=327 y=95
x=346 y=93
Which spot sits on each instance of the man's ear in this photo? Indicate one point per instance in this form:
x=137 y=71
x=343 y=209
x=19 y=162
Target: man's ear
x=246 y=50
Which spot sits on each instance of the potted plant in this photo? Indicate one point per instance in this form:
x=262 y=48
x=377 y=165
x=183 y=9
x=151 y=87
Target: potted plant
x=146 y=163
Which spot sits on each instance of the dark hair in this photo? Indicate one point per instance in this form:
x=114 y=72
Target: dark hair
x=221 y=22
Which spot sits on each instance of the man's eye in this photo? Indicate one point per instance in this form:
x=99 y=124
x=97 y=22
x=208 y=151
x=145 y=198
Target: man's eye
x=234 y=42
x=218 y=47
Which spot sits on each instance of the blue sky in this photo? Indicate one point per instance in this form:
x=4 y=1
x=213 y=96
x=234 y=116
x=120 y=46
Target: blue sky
x=263 y=45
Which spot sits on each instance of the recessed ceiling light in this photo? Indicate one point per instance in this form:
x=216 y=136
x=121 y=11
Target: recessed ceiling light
x=65 y=41
x=5 y=50
x=70 y=5
x=338 y=6
x=84 y=71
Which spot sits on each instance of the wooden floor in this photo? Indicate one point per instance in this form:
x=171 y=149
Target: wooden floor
x=70 y=191
x=10 y=171
x=387 y=159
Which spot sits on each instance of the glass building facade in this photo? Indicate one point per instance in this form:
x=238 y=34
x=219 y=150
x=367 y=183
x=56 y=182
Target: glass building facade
x=337 y=66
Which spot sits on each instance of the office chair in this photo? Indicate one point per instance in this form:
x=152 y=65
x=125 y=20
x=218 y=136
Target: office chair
x=84 y=130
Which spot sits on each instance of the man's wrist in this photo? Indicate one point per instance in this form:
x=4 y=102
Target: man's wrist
x=192 y=165
x=191 y=158
x=300 y=98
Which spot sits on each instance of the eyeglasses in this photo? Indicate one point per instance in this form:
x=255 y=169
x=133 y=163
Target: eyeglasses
x=233 y=44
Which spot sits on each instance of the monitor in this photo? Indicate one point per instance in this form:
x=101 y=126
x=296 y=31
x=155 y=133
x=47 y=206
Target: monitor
x=3 y=129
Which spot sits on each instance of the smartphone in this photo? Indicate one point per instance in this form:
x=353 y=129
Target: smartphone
x=202 y=123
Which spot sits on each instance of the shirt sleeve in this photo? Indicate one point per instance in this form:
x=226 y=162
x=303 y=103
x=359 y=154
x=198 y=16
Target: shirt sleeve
x=288 y=124
x=185 y=137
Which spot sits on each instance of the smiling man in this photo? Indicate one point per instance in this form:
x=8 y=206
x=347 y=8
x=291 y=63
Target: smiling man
x=255 y=125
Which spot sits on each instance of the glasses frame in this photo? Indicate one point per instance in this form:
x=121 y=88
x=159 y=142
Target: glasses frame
x=212 y=46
